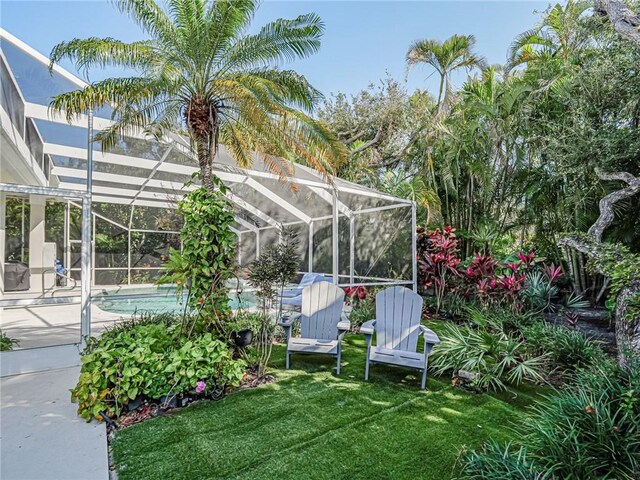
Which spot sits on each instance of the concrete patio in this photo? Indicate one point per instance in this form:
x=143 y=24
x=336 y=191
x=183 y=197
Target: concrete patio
x=41 y=437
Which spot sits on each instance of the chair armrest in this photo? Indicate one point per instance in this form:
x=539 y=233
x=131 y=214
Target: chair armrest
x=289 y=320
x=290 y=292
x=429 y=335
x=344 y=324
x=368 y=327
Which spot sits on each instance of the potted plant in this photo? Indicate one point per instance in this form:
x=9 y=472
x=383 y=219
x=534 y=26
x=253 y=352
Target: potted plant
x=242 y=328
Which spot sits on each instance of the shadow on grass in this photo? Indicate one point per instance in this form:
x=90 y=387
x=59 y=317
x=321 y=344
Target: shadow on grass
x=312 y=423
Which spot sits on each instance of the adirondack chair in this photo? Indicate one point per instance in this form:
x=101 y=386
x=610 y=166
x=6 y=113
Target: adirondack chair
x=322 y=322
x=309 y=278
x=292 y=297
x=397 y=327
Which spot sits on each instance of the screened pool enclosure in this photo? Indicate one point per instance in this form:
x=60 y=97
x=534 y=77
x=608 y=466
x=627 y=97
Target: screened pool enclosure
x=354 y=234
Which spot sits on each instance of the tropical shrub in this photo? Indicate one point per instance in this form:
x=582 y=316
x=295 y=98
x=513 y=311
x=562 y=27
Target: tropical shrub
x=151 y=359
x=498 y=462
x=567 y=350
x=207 y=258
x=363 y=305
x=276 y=266
x=439 y=262
x=590 y=429
x=6 y=342
x=484 y=347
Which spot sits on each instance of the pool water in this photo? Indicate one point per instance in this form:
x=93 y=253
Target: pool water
x=158 y=299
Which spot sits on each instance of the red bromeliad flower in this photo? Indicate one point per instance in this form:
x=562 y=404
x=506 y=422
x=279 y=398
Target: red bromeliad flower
x=359 y=292
x=572 y=318
x=481 y=266
x=439 y=262
x=511 y=284
x=552 y=272
x=526 y=258
x=514 y=267
x=485 y=286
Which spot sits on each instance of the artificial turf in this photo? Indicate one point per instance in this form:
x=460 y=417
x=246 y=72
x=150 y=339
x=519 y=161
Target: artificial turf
x=311 y=424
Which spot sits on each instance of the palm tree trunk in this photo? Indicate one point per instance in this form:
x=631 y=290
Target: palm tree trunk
x=202 y=121
x=442 y=80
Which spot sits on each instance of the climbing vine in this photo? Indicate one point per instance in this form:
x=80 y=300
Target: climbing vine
x=207 y=258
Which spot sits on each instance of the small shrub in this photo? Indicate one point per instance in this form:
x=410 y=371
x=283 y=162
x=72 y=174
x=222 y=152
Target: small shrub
x=439 y=262
x=363 y=303
x=591 y=429
x=269 y=274
x=588 y=430
x=499 y=462
x=151 y=359
x=568 y=350
x=6 y=342
x=363 y=312
x=485 y=347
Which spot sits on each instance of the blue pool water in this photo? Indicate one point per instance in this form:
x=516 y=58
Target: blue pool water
x=158 y=299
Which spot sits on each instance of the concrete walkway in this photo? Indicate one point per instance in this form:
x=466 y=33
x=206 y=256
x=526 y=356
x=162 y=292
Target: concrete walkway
x=41 y=437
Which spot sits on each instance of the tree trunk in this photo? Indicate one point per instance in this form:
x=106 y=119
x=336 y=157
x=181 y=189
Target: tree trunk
x=201 y=118
x=625 y=22
x=627 y=329
x=607 y=203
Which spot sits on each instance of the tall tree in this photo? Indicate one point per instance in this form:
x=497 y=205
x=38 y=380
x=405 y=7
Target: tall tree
x=201 y=73
x=455 y=53
x=558 y=36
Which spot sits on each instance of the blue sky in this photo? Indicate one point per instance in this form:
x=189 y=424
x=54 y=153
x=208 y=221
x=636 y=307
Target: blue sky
x=363 y=41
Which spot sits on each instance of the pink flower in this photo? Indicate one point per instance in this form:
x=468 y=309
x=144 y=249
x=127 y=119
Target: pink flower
x=201 y=386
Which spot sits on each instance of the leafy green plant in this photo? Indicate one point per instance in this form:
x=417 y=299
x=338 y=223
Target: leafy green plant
x=207 y=258
x=498 y=462
x=587 y=430
x=568 y=350
x=244 y=320
x=362 y=312
x=276 y=266
x=152 y=359
x=6 y=342
x=484 y=347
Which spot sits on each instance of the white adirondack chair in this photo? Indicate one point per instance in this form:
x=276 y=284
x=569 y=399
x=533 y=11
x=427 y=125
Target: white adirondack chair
x=322 y=322
x=397 y=327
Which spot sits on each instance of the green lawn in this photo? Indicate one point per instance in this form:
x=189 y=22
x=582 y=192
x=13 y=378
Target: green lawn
x=312 y=424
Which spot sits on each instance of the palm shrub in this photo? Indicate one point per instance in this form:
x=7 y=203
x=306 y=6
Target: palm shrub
x=199 y=71
x=484 y=347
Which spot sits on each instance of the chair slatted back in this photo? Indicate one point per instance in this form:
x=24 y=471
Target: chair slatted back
x=398 y=312
x=322 y=304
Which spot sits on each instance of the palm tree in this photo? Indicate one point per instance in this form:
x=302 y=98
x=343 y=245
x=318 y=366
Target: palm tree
x=201 y=73
x=412 y=187
x=557 y=37
x=445 y=57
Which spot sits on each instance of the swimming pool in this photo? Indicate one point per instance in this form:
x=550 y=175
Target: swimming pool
x=158 y=299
